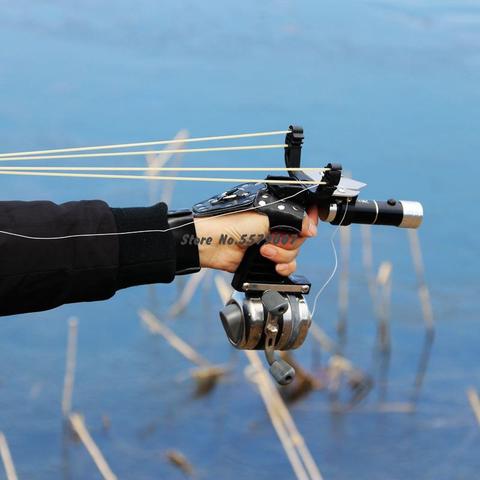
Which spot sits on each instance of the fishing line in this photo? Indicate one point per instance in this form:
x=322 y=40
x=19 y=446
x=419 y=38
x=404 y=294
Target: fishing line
x=144 y=144
x=332 y=274
x=159 y=177
x=146 y=152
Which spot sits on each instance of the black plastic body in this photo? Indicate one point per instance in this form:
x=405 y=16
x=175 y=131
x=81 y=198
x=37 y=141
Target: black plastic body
x=255 y=268
x=370 y=212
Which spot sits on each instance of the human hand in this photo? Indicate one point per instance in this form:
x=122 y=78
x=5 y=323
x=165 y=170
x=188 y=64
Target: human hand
x=282 y=249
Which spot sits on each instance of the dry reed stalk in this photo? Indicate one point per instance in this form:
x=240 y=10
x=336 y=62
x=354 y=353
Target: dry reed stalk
x=322 y=338
x=207 y=378
x=157 y=161
x=159 y=328
x=207 y=375
x=283 y=423
x=78 y=426
x=423 y=292
x=285 y=438
x=278 y=405
x=70 y=365
x=160 y=159
x=345 y=235
x=177 y=458
x=384 y=282
x=427 y=312
x=359 y=382
x=187 y=294
x=474 y=402
x=367 y=259
x=337 y=366
x=7 y=459
x=169 y=186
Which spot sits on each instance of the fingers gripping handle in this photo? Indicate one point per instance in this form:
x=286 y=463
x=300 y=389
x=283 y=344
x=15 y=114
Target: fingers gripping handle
x=255 y=269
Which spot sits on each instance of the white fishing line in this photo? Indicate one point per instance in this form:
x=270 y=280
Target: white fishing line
x=332 y=274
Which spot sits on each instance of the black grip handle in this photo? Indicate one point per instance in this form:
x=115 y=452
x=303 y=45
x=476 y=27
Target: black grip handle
x=255 y=268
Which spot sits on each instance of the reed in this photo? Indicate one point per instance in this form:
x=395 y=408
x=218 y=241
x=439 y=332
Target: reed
x=157 y=327
x=187 y=293
x=423 y=291
x=359 y=382
x=206 y=374
x=78 y=426
x=10 y=471
x=70 y=366
x=158 y=160
x=156 y=163
x=367 y=260
x=179 y=460
x=322 y=338
x=474 y=402
x=427 y=313
x=345 y=237
x=384 y=283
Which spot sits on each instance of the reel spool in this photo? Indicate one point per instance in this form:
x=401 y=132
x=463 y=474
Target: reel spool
x=267 y=321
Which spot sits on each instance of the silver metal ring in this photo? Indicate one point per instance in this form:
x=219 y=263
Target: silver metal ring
x=332 y=213
x=376 y=212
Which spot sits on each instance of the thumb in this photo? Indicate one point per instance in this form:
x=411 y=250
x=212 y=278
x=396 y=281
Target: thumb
x=310 y=221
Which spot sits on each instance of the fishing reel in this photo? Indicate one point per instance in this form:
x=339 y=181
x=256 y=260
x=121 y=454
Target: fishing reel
x=270 y=314
x=268 y=311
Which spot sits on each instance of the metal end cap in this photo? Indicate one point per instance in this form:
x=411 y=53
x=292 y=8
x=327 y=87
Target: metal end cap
x=412 y=214
x=232 y=321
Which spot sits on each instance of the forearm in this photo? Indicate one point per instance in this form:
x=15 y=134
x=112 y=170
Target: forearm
x=39 y=274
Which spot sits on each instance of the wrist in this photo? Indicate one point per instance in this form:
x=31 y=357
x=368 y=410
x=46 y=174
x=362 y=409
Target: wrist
x=204 y=247
x=183 y=230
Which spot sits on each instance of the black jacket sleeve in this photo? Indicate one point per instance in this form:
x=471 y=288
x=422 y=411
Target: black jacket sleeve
x=43 y=273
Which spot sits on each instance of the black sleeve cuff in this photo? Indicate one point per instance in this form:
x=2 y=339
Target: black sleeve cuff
x=145 y=257
x=155 y=257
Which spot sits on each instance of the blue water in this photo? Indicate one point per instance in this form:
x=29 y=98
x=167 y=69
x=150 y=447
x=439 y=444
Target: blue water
x=390 y=89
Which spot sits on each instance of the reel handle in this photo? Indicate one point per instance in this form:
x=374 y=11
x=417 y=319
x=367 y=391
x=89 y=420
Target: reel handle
x=275 y=305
